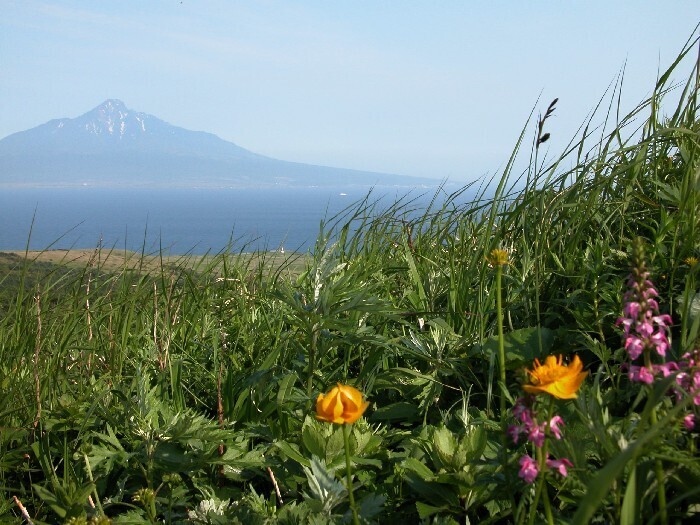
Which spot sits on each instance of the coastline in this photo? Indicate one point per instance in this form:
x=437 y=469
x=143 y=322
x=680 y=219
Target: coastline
x=112 y=259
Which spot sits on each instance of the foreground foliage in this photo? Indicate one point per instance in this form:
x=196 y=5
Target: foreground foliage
x=188 y=394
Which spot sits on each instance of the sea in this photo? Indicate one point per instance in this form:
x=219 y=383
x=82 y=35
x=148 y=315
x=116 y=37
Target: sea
x=184 y=221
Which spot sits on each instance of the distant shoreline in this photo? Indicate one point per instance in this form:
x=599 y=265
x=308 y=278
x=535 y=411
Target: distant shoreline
x=112 y=259
x=215 y=186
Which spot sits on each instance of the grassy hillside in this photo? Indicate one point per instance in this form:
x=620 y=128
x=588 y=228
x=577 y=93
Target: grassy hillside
x=187 y=391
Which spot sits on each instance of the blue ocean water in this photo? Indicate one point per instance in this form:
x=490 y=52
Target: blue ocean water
x=180 y=221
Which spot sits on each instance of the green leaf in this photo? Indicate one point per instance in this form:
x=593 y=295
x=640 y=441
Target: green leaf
x=335 y=444
x=425 y=510
x=371 y=505
x=323 y=485
x=521 y=346
x=286 y=387
x=599 y=486
x=292 y=452
x=50 y=499
x=314 y=441
x=173 y=458
x=418 y=467
x=402 y=411
x=629 y=514
x=471 y=447
x=131 y=517
x=445 y=444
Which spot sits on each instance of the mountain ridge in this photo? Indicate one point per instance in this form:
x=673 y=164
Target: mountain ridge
x=113 y=145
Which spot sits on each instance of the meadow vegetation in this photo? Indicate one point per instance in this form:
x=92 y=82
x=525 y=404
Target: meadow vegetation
x=187 y=391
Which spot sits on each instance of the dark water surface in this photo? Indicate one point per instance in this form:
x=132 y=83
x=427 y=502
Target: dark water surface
x=180 y=220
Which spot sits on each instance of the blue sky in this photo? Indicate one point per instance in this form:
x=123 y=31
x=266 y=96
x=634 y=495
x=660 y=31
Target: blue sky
x=425 y=88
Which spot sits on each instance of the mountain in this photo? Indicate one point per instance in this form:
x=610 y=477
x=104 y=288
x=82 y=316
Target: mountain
x=113 y=145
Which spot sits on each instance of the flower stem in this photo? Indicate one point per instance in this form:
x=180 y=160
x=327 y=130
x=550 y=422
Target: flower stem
x=501 y=341
x=502 y=377
x=658 y=466
x=538 y=490
x=542 y=454
x=348 y=469
x=312 y=362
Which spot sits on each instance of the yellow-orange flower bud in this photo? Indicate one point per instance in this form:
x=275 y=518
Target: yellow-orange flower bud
x=343 y=404
x=498 y=257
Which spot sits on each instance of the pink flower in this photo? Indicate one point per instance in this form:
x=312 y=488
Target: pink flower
x=688 y=378
x=536 y=435
x=645 y=329
x=660 y=342
x=649 y=290
x=662 y=321
x=634 y=346
x=631 y=310
x=560 y=465
x=626 y=324
x=522 y=412
x=666 y=368
x=641 y=374
x=528 y=469
x=689 y=421
x=534 y=430
x=554 y=425
x=514 y=432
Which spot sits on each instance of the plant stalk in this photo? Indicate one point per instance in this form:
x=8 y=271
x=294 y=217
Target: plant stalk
x=348 y=469
x=658 y=466
x=501 y=342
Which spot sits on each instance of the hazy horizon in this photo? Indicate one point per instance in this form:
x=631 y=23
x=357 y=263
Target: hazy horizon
x=405 y=88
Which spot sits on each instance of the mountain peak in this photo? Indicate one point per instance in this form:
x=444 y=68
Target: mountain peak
x=113 y=118
x=113 y=128
x=112 y=105
x=114 y=145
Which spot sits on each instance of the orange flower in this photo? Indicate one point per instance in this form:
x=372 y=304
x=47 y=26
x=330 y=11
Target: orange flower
x=555 y=378
x=343 y=404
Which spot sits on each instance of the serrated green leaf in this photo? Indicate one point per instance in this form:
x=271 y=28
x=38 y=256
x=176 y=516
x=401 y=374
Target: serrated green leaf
x=335 y=444
x=371 y=505
x=445 y=444
x=314 y=441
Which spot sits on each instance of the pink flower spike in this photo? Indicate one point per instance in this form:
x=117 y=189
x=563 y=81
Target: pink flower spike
x=560 y=465
x=528 y=469
x=554 y=425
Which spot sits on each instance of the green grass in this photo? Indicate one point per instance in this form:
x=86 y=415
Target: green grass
x=182 y=391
